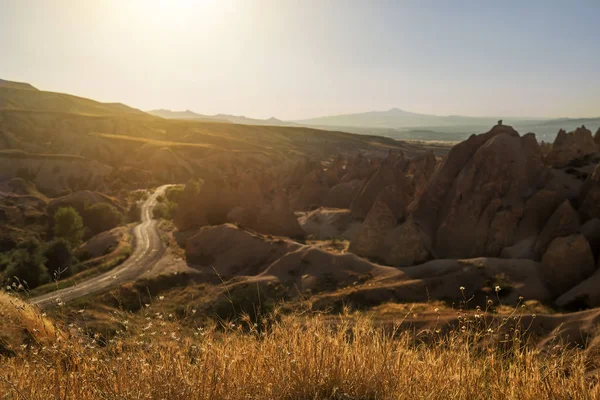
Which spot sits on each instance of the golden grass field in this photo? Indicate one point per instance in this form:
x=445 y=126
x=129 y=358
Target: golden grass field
x=156 y=356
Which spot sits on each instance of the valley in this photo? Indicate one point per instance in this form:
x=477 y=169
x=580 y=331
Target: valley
x=109 y=213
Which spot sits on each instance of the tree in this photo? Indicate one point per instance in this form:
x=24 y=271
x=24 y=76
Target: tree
x=68 y=225
x=102 y=217
x=134 y=213
x=27 y=264
x=59 y=259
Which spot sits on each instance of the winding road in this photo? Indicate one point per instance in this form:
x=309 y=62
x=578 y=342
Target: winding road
x=148 y=250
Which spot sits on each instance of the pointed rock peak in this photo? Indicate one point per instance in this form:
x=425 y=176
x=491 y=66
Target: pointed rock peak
x=506 y=129
x=582 y=131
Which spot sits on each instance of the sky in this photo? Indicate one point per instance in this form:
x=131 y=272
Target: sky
x=296 y=59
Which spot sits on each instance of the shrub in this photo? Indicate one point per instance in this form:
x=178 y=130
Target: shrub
x=164 y=210
x=26 y=263
x=102 y=217
x=68 y=225
x=174 y=193
x=59 y=259
x=134 y=213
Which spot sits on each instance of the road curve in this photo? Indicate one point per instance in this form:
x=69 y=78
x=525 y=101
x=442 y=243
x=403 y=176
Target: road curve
x=148 y=250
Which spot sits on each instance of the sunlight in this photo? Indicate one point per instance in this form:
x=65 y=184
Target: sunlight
x=172 y=12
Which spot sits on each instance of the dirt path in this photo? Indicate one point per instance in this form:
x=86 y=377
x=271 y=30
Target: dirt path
x=148 y=250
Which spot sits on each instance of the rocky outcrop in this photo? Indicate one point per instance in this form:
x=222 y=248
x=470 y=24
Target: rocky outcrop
x=589 y=198
x=406 y=245
x=597 y=138
x=329 y=223
x=342 y=194
x=369 y=240
x=571 y=146
x=420 y=171
x=358 y=167
x=537 y=211
x=277 y=218
x=390 y=173
x=563 y=222
x=521 y=249
x=232 y=251
x=591 y=231
x=567 y=262
x=476 y=198
x=583 y=295
x=312 y=192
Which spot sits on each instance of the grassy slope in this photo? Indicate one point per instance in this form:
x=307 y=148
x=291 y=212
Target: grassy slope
x=158 y=357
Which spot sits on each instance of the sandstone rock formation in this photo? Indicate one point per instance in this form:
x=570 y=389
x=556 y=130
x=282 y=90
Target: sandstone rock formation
x=571 y=146
x=312 y=192
x=591 y=231
x=342 y=194
x=589 y=198
x=563 y=222
x=327 y=223
x=567 y=262
x=477 y=197
x=277 y=218
x=369 y=240
x=232 y=251
x=406 y=244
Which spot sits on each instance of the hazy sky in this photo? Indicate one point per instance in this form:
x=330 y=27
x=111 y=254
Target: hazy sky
x=305 y=58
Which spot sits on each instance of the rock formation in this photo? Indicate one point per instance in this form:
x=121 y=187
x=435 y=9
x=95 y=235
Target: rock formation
x=277 y=218
x=571 y=146
x=563 y=222
x=589 y=198
x=477 y=197
x=567 y=262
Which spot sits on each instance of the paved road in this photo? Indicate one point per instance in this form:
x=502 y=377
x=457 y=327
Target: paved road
x=148 y=250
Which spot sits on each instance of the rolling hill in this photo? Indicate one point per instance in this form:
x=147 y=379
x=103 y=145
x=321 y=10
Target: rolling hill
x=234 y=119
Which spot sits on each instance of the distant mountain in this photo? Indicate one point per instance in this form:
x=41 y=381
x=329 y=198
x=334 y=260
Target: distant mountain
x=396 y=118
x=23 y=96
x=234 y=119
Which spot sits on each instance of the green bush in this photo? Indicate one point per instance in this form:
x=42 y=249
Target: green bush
x=60 y=260
x=174 y=194
x=68 y=225
x=101 y=217
x=26 y=263
x=164 y=210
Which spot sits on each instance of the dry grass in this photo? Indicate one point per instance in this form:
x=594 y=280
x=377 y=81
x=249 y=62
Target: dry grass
x=293 y=357
x=23 y=325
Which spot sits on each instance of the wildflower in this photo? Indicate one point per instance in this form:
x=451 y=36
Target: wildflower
x=497 y=289
x=161 y=297
x=462 y=288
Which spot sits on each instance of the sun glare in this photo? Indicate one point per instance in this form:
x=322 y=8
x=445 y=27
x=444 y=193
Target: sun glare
x=173 y=11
